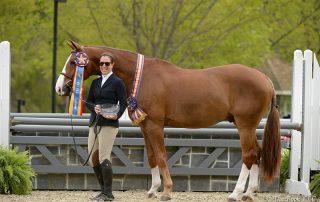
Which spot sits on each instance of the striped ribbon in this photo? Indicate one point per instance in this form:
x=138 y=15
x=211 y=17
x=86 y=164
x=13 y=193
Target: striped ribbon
x=137 y=76
x=76 y=107
x=137 y=114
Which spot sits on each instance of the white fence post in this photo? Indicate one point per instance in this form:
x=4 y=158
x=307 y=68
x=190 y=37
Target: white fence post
x=316 y=116
x=306 y=142
x=302 y=99
x=4 y=92
x=296 y=113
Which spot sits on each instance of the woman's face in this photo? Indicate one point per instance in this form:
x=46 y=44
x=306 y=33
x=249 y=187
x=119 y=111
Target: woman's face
x=105 y=65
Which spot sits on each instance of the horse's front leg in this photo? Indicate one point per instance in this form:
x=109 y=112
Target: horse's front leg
x=155 y=174
x=154 y=133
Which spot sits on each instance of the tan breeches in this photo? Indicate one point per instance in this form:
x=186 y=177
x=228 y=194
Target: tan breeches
x=103 y=144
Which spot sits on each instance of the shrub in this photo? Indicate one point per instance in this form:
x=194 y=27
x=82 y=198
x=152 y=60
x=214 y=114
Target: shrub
x=15 y=173
x=284 y=168
x=315 y=184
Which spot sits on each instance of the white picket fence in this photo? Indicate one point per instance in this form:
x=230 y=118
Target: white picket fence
x=306 y=110
x=4 y=92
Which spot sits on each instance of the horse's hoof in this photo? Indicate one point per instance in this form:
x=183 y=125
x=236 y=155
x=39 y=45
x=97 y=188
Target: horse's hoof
x=152 y=195
x=247 y=198
x=165 y=198
x=234 y=197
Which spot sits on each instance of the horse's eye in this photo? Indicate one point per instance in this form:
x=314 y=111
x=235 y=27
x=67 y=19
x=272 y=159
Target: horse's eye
x=72 y=62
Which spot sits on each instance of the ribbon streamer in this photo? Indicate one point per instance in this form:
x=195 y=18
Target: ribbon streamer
x=76 y=106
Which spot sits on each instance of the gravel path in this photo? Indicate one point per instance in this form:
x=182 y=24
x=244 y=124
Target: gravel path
x=140 y=196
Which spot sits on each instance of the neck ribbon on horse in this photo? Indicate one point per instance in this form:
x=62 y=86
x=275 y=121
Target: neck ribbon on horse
x=137 y=114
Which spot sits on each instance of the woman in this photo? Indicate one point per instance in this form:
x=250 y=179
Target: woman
x=103 y=128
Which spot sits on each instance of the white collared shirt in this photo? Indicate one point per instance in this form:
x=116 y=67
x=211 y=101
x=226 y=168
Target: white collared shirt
x=105 y=78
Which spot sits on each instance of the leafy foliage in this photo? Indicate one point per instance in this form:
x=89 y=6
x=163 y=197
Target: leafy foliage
x=295 y=25
x=284 y=168
x=15 y=173
x=315 y=184
x=190 y=34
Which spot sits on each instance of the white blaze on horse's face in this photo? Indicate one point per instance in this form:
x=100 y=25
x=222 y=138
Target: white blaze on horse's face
x=61 y=79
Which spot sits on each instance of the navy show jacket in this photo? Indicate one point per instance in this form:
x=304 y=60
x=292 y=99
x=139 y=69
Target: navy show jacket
x=112 y=91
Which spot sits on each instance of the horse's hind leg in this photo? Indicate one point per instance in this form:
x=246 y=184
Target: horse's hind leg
x=250 y=156
x=156 y=140
x=238 y=190
x=253 y=159
x=155 y=174
x=253 y=183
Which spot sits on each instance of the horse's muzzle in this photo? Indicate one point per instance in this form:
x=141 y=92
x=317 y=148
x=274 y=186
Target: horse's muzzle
x=66 y=90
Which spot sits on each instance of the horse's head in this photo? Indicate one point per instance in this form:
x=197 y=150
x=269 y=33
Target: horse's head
x=65 y=80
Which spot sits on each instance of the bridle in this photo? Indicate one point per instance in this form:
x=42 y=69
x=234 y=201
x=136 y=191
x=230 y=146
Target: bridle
x=69 y=82
x=70 y=78
x=64 y=74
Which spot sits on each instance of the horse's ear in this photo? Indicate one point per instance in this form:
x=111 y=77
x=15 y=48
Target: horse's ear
x=75 y=46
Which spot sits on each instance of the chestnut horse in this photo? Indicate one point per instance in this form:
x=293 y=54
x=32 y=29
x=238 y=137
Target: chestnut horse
x=176 y=97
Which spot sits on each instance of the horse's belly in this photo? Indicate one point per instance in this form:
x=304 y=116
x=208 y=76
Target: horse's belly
x=196 y=118
x=194 y=123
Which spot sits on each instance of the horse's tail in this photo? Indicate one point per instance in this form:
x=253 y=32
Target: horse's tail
x=271 y=145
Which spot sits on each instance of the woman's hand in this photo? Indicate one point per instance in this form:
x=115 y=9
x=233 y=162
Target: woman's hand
x=97 y=108
x=112 y=116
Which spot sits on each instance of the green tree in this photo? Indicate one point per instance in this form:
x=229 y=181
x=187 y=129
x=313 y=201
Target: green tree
x=191 y=34
x=25 y=24
x=295 y=25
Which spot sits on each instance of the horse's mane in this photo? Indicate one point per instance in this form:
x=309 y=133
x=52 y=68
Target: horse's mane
x=116 y=49
x=133 y=53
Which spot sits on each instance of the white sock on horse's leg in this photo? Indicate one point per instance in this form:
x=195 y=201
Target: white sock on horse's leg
x=253 y=181
x=240 y=184
x=156 y=181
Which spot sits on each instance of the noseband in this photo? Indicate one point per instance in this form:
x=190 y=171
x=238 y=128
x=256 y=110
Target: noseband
x=64 y=74
x=69 y=82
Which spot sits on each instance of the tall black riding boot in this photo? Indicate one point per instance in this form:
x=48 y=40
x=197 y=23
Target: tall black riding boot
x=98 y=173
x=106 y=170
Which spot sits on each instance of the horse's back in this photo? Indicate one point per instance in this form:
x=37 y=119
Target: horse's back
x=225 y=81
x=249 y=90
x=204 y=97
